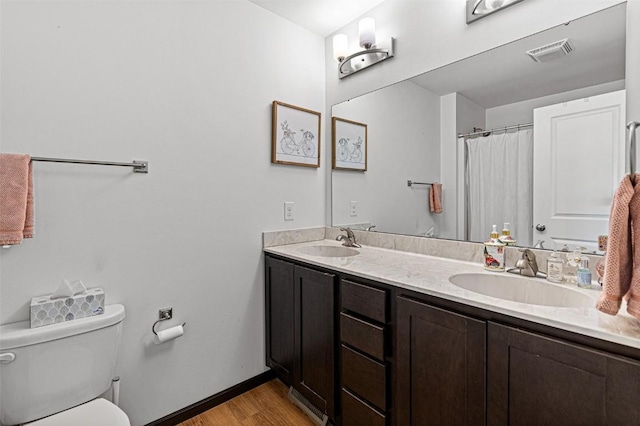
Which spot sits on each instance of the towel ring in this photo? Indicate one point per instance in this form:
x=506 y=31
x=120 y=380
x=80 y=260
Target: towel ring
x=153 y=327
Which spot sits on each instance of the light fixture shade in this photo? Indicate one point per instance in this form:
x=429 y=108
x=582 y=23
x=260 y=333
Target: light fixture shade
x=367 y=30
x=340 y=46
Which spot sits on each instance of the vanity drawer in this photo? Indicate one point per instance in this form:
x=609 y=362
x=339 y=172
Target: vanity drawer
x=365 y=377
x=356 y=412
x=367 y=337
x=364 y=300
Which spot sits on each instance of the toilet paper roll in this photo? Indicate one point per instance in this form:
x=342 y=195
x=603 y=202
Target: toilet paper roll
x=168 y=334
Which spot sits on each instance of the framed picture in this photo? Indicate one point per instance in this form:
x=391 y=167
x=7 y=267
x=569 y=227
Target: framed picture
x=349 y=144
x=295 y=135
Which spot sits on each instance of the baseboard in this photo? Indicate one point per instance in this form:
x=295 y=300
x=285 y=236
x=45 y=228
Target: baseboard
x=214 y=400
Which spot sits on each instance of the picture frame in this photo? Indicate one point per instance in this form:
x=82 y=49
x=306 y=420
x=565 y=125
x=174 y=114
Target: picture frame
x=295 y=136
x=349 y=144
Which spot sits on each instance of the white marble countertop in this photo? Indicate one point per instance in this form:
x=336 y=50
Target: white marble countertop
x=430 y=275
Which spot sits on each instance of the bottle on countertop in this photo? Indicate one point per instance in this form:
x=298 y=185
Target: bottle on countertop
x=584 y=273
x=506 y=238
x=571 y=267
x=555 y=268
x=494 y=252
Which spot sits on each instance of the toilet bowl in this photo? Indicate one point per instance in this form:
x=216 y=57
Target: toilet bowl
x=97 y=412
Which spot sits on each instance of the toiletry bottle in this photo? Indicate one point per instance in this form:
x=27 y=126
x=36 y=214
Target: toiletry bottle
x=571 y=267
x=555 y=268
x=584 y=273
x=506 y=237
x=494 y=252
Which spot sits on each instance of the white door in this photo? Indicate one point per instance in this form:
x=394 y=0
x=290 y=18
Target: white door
x=578 y=161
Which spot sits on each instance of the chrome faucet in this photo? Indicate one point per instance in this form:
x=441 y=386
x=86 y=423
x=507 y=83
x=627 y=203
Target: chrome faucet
x=348 y=240
x=528 y=265
x=370 y=228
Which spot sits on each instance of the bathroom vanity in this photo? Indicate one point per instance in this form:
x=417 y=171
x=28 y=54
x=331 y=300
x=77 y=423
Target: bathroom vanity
x=383 y=337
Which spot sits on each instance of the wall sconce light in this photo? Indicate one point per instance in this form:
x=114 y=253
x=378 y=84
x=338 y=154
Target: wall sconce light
x=372 y=54
x=477 y=9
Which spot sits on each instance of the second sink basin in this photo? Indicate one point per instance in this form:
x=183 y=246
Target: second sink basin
x=328 y=251
x=523 y=290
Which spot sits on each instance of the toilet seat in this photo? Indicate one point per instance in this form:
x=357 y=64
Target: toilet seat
x=97 y=412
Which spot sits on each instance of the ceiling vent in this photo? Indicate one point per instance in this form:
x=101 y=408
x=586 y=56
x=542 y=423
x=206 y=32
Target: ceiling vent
x=551 y=51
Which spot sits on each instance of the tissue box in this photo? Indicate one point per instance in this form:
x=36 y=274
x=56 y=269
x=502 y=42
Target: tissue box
x=45 y=311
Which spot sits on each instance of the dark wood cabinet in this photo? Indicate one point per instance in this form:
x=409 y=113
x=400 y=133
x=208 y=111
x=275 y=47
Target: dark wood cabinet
x=364 y=362
x=366 y=353
x=315 y=337
x=279 y=302
x=301 y=330
x=537 y=380
x=440 y=366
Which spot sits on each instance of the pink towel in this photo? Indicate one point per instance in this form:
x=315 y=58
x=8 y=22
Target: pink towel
x=16 y=198
x=622 y=261
x=435 y=198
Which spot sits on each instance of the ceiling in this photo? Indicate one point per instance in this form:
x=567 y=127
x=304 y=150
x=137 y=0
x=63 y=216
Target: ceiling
x=322 y=17
x=506 y=74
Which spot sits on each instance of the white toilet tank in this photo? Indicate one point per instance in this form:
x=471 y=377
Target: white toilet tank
x=57 y=366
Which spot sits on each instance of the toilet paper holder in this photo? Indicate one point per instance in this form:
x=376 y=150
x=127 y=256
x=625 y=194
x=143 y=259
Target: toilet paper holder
x=163 y=315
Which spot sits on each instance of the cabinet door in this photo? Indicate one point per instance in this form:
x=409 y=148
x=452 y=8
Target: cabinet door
x=536 y=380
x=279 y=312
x=440 y=366
x=315 y=358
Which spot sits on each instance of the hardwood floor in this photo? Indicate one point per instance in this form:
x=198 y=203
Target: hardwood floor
x=265 y=405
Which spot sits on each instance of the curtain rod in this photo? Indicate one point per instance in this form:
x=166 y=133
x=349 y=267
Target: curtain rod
x=498 y=129
x=138 y=166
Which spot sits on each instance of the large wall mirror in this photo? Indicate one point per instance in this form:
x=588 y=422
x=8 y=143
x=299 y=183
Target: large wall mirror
x=547 y=160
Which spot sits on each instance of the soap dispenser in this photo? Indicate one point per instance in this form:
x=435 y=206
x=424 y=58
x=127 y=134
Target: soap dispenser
x=506 y=237
x=555 y=268
x=494 y=252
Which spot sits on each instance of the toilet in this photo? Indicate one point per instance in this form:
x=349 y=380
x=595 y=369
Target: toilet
x=55 y=375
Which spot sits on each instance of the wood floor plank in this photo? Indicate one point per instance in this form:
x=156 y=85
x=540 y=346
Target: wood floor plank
x=265 y=405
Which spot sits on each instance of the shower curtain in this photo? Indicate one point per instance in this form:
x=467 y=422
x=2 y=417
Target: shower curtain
x=500 y=185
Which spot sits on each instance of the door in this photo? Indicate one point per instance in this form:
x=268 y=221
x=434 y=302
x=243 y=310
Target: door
x=279 y=318
x=572 y=192
x=440 y=366
x=316 y=354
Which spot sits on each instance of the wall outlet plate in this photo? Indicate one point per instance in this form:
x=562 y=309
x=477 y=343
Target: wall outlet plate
x=289 y=211
x=353 y=210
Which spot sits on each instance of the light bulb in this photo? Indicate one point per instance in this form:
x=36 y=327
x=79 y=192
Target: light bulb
x=367 y=30
x=340 y=46
x=493 y=4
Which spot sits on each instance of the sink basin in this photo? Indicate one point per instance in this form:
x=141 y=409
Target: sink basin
x=532 y=291
x=328 y=251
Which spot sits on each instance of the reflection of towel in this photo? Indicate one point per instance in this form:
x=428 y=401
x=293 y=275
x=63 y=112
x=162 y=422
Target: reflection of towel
x=435 y=198
x=16 y=198
x=622 y=262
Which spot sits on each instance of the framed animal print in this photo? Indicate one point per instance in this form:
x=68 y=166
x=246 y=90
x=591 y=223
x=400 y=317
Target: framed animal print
x=295 y=135
x=349 y=144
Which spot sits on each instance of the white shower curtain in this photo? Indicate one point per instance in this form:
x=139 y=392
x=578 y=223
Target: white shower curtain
x=500 y=176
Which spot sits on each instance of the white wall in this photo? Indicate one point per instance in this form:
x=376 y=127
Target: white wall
x=188 y=86
x=403 y=123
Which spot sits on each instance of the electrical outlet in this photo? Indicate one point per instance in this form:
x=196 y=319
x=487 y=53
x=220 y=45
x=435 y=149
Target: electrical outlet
x=289 y=212
x=353 y=212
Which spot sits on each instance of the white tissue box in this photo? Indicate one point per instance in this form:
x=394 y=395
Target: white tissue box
x=45 y=311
